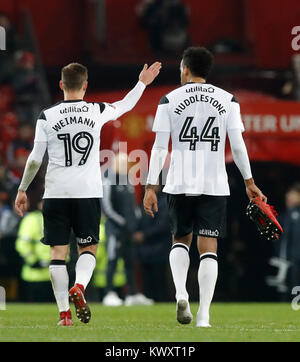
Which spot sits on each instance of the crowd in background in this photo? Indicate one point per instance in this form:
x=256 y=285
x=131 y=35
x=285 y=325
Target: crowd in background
x=132 y=258
x=166 y=22
x=19 y=107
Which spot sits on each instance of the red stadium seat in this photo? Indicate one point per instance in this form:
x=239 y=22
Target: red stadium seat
x=6 y=98
x=8 y=130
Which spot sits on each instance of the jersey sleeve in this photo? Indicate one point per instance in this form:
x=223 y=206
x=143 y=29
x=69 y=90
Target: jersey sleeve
x=111 y=112
x=162 y=118
x=234 y=119
x=40 y=131
x=108 y=112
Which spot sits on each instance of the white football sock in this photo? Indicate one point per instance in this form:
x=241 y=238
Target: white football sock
x=207 y=277
x=60 y=283
x=179 y=259
x=84 y=268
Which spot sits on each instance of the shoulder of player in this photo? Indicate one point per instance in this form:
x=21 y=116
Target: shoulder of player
x=169 y=97
x=45 y=110
x=48 y=110
x=177 y=92
x=229 y=96
x=103 y=106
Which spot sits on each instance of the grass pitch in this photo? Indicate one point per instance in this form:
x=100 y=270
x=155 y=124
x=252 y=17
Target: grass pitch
x=231 y=322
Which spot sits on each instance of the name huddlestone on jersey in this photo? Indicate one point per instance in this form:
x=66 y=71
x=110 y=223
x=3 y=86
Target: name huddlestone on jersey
x=73 y=120
x=200 y=98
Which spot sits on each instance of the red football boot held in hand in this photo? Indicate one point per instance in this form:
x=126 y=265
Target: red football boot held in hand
x=265 y=218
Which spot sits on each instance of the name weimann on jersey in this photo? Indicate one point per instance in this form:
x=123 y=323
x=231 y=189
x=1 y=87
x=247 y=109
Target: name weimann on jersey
x=70 y=120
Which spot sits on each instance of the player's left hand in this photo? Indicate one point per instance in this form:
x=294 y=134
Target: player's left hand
x=253 y=191
x=150 y=202
x=148 y=75
x=21 y=203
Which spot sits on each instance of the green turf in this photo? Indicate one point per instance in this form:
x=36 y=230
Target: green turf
x=247 y=322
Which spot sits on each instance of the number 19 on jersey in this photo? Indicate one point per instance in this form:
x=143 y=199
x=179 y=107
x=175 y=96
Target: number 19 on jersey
x=76 y=145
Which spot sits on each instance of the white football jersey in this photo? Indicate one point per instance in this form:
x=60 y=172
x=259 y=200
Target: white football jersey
x=72 y=132
x=198 y=116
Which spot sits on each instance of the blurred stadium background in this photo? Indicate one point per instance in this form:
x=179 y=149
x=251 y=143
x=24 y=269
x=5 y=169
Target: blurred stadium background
x=254 y=59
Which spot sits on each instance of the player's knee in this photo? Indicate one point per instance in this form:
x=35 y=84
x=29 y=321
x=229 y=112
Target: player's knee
x=88 y=248
x=59 y=252
x=207 y=244
x=186 y=239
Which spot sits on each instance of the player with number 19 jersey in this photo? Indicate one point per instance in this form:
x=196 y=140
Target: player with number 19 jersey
x=198 y=116
x=72 y=132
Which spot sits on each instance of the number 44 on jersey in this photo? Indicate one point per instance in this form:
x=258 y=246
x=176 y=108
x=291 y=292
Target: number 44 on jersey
x=208 y=134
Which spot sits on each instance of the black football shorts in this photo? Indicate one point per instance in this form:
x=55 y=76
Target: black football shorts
x=203 y=215
x=63 y=215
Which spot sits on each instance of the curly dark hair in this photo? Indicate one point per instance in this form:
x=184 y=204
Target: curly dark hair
x=199 y=60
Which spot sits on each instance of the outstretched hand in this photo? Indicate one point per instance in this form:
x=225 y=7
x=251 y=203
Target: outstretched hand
x=148 y=74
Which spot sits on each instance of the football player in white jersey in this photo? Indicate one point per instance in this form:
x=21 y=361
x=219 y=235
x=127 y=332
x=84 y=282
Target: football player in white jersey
x=197 y=116
x=70 y=132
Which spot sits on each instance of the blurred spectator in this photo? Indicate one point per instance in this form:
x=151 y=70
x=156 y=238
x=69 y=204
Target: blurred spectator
x=287 y=248
x=8 y=130
x=6 y=59
x=24 y=140
x=291 y=86
x=10 y=263
x=26 y=88
x=153 y=243
x=166 y=22
x=36 y=257
x=99 y=276
x=5 y=183
x=119 y=207
x=226 y=46
x=8 y=219
x=18 y=152
x=16 y=171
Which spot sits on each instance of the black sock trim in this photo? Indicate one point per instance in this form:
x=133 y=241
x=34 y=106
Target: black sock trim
x=57 y=262
x=87 y=252
x=212 y=256
x=176 y=245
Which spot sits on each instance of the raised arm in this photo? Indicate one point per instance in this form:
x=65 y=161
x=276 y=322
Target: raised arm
x=146 y=77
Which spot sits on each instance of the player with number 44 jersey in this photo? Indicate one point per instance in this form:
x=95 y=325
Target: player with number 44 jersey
x=197 y=117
